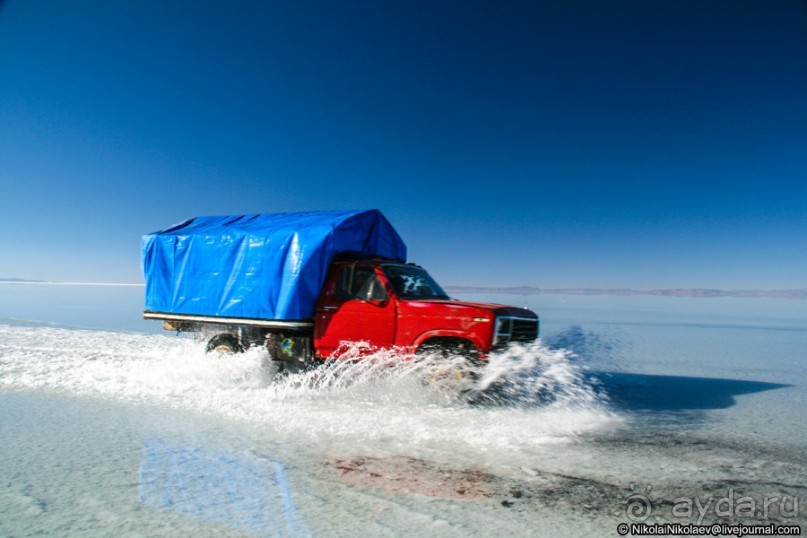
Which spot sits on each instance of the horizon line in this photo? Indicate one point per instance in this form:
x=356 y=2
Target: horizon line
x=58 y=283
x=528 y=290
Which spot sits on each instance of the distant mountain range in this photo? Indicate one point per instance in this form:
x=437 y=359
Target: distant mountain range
x=674 y=292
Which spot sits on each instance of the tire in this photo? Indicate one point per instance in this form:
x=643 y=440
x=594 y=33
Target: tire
x=224 y=344
x=461 y=375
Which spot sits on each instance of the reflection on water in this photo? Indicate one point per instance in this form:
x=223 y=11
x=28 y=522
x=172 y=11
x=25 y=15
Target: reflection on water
x=663 y=402
x=242 y=491
x=665 y=393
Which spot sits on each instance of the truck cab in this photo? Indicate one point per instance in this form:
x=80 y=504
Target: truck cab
x=400 y=306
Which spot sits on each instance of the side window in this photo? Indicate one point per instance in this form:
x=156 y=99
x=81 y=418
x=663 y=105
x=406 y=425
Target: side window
x=341 y=292
x=359 y=283
x=371 y=288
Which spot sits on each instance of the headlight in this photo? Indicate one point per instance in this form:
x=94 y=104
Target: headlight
x=504 y=327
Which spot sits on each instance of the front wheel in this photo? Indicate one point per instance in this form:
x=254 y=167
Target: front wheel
x=225 y=344
x=457 y=365
x=451 y=349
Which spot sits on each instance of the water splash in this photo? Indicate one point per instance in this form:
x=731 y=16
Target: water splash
x=387 y=375
x=534 y=375
x=520 y=375
x=526 y=394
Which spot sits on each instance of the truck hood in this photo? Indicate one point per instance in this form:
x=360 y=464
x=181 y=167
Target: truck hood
x=496 y=309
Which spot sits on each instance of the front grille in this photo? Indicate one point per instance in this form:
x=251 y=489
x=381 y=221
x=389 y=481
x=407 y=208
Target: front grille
x=524 y=330
x=512 y=329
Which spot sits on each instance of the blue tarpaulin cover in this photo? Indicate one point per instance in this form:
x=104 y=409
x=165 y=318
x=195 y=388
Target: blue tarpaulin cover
x=269 y=266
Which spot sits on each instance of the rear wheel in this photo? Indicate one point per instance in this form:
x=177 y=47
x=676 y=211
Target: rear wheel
x=224 y=344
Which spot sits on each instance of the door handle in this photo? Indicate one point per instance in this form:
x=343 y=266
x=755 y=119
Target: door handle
x=330 y=307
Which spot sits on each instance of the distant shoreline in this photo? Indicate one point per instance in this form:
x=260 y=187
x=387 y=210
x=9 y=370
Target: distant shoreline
x=698 y=293
x=671 y=292
x=49 y=283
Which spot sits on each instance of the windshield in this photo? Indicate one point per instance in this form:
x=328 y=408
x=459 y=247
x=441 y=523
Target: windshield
x=411 y=282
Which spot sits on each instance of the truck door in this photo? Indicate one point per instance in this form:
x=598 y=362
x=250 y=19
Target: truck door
x=355 y=307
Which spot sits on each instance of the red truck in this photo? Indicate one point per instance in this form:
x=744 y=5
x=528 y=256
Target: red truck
x=378 y=300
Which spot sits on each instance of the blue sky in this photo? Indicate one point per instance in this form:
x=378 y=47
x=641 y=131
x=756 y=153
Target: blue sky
x=646 y=143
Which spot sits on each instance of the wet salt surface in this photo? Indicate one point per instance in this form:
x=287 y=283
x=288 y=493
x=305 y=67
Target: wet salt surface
x=143 y=434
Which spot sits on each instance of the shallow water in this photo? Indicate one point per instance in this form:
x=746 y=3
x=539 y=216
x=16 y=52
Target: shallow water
x=129 y=431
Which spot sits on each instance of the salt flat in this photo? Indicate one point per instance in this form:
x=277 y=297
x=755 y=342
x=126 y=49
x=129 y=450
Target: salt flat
x=129 y=431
